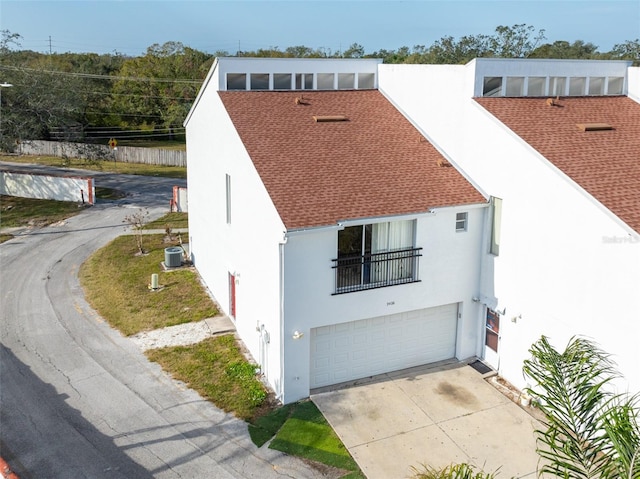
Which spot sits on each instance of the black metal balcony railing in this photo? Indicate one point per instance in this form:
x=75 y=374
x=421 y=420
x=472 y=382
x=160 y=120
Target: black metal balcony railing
x=377 y=270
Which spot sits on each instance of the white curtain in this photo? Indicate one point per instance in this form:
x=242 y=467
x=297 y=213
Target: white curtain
x=392 y=236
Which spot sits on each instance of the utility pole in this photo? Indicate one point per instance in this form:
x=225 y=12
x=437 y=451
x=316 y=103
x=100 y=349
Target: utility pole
x=50 y=50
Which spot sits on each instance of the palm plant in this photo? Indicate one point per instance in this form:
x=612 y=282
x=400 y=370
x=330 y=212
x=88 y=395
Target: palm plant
x=454 y=471
x=590 y=432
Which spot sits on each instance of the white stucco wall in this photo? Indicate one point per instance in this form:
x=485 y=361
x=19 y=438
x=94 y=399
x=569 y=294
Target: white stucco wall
x=449 y=273
x=249 y=246
x=567 y=266
x=634 y=83
x=47 y=187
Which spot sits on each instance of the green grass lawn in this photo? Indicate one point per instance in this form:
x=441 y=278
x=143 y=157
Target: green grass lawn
x=116 y=281
x=101 y=165
x=218 y=371
x=162 y=145
x=174 y=220
x=16 y=211
x=307 y=434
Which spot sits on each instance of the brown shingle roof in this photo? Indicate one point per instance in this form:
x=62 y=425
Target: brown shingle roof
x=605 y=163
x=317 y=173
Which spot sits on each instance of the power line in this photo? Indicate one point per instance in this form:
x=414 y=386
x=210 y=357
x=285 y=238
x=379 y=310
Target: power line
x=102 y=77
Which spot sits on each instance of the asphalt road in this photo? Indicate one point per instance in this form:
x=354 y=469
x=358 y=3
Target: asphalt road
x=79 y=400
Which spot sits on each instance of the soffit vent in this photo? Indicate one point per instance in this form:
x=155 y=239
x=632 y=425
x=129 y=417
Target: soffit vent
x=329 y=118
x=594 y=126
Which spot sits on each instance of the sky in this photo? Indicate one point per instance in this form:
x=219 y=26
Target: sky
x=129 y=27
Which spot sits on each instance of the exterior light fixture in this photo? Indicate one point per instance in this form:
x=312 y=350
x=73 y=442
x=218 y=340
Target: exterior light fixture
x=297 y=334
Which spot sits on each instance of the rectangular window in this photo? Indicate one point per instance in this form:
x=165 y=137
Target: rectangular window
x=259 y=81
x=228 y=198
x=304 y=81
x=346 y=81
x=614 y=86
x=557 y=86
x=535 y=86
x=282 y=81
x=325 y=81
x=236 y=81
x=366 y=81
x=515 y=86
x=577 y=86
x=376 y=255
x=496 y=223
x=596 y=85
x=492 y=86
x=461 y=221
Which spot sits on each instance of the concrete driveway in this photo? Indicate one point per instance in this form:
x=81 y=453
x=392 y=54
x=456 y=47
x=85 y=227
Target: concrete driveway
x=434 y=416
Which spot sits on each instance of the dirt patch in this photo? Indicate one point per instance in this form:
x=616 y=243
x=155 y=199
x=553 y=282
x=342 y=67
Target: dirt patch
x=517 y=396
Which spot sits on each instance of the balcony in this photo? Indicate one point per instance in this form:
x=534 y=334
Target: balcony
x=376 y=270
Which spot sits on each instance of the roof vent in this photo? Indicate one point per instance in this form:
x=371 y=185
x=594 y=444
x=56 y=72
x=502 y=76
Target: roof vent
x=318 y=118
x=594 y=126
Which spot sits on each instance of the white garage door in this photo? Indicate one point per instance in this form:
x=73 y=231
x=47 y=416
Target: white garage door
x=347 y=351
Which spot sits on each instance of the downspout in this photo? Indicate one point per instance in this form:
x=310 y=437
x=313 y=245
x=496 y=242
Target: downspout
x=281 y=245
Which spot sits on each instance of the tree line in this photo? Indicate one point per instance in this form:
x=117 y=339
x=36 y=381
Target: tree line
x=91 y=97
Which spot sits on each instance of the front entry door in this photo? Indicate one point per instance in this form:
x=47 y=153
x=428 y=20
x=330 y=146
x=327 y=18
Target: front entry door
x=492 y=338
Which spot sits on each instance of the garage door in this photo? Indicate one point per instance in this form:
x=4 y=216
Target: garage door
x=347 y=351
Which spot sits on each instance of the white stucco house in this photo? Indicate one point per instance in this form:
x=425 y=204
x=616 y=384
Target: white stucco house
x=357 y=218
x=340 y=241
x=558 y=143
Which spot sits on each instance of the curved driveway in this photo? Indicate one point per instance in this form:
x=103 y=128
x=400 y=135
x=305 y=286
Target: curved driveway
x=79 y=400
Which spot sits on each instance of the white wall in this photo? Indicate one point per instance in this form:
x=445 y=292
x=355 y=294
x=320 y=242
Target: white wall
x=449 y=273
x=634 y=83
x=248 y=247
x=48 y=187
x=567 y=266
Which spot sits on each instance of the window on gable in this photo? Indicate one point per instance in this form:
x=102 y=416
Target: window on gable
x=492 y=86
x=515 y=86
x=496 y=223
x=325 y=81
x=228 y=197
x=577 y=86
x=282 y=81
x=259 y=81
x=236 y=81
x=346 y=81
x=304 y=81
x=366 y=81
x=596 y=86
x=557 y=86
x=376 y=255
x=535 y=86
x=614 y=86
x=461 y=221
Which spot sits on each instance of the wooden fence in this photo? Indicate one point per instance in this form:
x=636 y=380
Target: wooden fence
x=125 y=154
